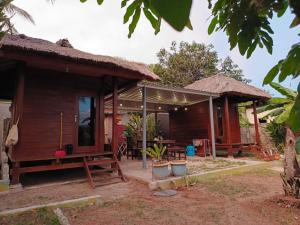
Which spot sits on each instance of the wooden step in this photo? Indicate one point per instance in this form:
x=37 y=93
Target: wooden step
x=90 y=171
x=100 y=162
x=94 y=171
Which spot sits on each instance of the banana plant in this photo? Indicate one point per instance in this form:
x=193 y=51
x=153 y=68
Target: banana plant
x=280 y=108
x=156 y=153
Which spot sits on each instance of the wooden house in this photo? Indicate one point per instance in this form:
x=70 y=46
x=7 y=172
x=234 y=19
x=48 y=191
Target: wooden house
x=194 y=123
x=47 y=82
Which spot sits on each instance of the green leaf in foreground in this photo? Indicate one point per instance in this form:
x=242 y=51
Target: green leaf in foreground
x=134 y=21
x=174 y=12
x=100 y=2
x=294 y=118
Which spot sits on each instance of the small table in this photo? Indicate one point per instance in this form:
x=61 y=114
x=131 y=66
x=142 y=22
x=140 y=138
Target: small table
x=172 y=152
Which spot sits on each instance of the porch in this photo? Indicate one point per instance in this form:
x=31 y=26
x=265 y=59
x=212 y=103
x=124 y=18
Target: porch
x=153 y=98
x=196 y=167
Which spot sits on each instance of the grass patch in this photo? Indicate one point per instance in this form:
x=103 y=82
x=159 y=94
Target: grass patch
x=209 y=165
x=41 y=216
x=224 y=184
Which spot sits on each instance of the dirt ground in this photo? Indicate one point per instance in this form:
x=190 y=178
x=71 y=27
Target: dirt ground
x=244 y=196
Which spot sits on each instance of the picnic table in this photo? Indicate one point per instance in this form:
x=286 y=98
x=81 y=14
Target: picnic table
x=176 y=152
x=172 y=152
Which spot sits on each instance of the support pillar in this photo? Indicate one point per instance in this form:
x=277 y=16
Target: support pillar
x=212 y=127
x=15 y=176
x=101 y=117
x=144 y=127
x=114 y=119
x=257 y=139
x=228 y=129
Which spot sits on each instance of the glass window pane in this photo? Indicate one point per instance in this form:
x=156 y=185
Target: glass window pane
x=87 y=121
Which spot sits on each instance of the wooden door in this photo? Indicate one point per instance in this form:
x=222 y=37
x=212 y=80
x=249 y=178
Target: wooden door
x=86 y=123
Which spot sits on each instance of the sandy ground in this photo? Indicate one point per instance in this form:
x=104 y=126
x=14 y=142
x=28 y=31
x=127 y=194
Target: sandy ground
x=244 y=196
x=241 y=198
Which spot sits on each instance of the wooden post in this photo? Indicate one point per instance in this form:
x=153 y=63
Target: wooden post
x=114 y=119
x=257 y=139
x=212 y=127
x=18 y=116
x=15 y=173
x=101 y=117
x=228 y=129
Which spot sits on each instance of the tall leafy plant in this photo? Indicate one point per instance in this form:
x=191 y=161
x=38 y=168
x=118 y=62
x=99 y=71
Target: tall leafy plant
x=277 y=132
x=134 y=127
x=156 y=153
x=280 y=108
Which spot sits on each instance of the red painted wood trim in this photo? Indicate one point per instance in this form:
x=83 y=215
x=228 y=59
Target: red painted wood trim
x=257 y=138
x=50 y=167
x=68 y=66
x=227 y=122
x=114 y=120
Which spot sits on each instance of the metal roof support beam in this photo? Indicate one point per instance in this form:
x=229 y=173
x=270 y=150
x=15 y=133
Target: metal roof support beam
x=144 y=127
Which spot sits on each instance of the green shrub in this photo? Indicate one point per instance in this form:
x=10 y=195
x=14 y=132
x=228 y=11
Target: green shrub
x=277 y=132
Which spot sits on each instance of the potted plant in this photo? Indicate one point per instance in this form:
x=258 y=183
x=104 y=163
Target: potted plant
x=160 y=168
x=179 y=168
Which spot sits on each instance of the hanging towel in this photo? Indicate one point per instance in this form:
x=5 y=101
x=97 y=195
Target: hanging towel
x=12 y=137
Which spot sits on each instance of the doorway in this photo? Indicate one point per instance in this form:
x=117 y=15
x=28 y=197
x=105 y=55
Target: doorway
x=87 y=122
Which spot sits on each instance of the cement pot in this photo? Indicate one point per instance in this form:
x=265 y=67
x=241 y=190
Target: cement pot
x=179 y=168
x=160 y=170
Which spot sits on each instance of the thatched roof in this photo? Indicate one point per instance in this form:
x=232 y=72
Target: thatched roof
x=222 y=84
x=62 y=49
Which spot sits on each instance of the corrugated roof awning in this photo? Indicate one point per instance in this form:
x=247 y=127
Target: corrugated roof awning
x=159 y=98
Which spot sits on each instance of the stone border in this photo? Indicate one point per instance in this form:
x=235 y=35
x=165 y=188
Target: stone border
x=175 y=182
x=95 y=199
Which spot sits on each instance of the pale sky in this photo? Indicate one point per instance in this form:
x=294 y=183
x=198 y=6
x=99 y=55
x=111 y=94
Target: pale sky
x=100 y=30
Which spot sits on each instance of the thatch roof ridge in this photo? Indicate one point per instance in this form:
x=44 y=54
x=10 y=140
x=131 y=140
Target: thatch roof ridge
x=222 y=84
x=25 y=43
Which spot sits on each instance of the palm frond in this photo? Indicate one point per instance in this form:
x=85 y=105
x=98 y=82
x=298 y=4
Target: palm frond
x=12 y=10
x=289 y=93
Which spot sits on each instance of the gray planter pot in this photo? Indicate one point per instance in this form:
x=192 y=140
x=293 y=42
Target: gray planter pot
x=160 y=170
x=179 y=168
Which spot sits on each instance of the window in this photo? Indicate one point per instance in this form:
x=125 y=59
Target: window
x=87 y=121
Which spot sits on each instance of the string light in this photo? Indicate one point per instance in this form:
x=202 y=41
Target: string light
x=121 y=104
x=159 y=107
x=175 y=108
x=185 y=109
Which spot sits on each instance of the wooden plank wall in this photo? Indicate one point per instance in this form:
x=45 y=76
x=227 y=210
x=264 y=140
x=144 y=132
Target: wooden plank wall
x=195 y=123
x=46 y=95
x=191 y=124
x=234 y=123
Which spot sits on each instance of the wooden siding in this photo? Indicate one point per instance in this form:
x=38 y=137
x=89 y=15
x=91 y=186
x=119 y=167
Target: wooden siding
x=191 y=124
x=195 y=123
x=45 y=96
x=235 y=123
